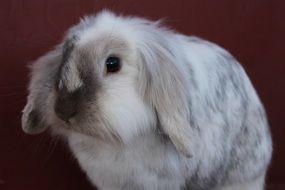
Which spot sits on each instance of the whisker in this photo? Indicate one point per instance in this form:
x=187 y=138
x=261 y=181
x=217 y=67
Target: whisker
x=53 y=142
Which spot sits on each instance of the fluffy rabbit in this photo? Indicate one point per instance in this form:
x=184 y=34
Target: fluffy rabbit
x=143 y=107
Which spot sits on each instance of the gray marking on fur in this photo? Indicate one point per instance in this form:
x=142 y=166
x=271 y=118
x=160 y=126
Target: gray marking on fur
x=67 y=103
x=91 y=83
x=34 y=119
x=68 y=48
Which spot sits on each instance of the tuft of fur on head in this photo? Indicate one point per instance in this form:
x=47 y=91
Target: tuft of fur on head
x=149 y=88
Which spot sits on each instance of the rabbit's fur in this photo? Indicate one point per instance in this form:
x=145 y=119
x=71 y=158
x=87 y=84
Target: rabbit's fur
x=181 y=112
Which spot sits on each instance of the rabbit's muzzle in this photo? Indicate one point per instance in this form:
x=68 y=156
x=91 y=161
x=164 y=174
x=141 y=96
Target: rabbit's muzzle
x=67 y=103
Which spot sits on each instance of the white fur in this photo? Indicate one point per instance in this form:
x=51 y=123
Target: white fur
x=164 y=106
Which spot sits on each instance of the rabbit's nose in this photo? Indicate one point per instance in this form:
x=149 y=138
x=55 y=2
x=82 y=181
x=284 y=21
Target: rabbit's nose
x=67 y=103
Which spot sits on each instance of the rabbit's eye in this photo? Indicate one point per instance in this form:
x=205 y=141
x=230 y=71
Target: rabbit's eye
x=113 y=64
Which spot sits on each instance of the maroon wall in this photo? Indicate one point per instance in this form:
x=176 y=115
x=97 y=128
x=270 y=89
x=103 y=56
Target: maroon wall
x=253 y=30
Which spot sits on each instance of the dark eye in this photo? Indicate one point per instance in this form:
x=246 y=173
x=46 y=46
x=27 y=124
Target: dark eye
x=113 y=64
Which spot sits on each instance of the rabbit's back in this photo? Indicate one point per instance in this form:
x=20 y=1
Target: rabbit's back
x=234 y=142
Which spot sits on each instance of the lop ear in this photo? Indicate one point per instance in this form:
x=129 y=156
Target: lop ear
x=165 y=86
x=43 y=75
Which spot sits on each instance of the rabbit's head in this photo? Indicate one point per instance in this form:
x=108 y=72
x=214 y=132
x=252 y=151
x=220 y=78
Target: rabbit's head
x=112 y=78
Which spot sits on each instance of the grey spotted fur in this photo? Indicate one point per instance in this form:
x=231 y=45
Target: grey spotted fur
x=180 y=114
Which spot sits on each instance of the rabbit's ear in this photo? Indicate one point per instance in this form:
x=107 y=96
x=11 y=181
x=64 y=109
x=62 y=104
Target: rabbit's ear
x=32 y=120
x=43 y=76
x=164 y=82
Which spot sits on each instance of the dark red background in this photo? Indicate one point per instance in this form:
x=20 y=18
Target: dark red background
x=253 y=30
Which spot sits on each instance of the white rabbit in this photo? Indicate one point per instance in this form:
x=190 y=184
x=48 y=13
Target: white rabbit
x=143 y=107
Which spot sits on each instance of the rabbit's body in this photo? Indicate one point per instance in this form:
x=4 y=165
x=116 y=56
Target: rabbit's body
x=181 y=112
x=230 y=142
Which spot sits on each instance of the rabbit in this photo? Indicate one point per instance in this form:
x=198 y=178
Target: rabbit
x=143 y=107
